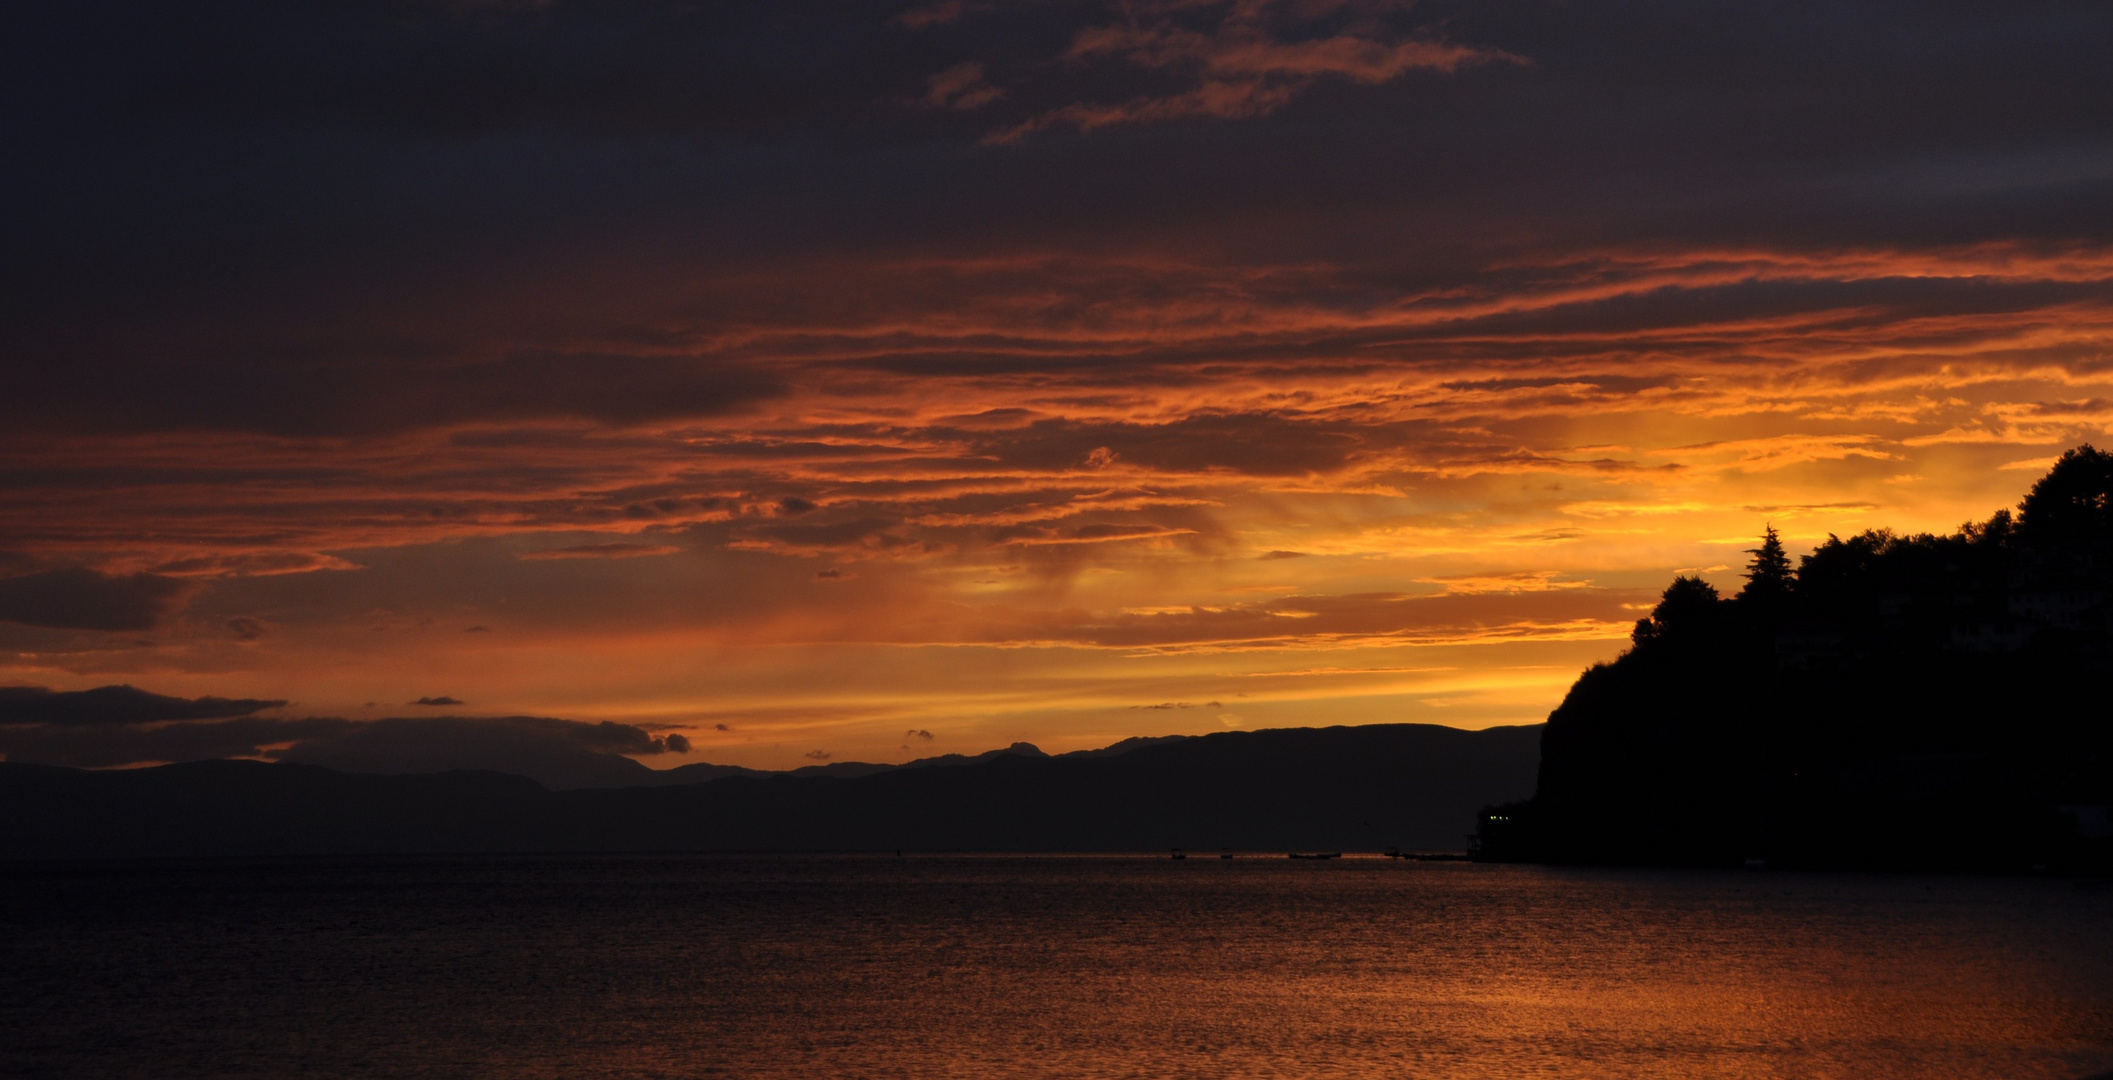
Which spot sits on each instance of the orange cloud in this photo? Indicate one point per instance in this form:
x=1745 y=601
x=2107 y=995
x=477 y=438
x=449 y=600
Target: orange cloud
x=602 y=551
x=1241 y=63
x=1053 y=455
x=960 y=87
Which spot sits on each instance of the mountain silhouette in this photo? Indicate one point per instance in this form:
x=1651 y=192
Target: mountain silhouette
x=1412 y=786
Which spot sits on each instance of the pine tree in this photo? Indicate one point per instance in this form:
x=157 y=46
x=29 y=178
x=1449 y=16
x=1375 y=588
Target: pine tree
x=1768 y=575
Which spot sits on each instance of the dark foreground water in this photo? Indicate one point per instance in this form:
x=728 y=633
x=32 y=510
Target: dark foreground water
x=1034 y=967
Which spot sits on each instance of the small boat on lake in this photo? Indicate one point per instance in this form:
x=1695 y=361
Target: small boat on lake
x=1316 y=854
x=1180 y=854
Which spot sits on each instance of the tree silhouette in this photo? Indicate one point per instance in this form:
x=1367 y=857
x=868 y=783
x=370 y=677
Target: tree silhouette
x=1902 y=700
x=2074 y=500
x=2065 y=523
x=1686 y=607
x=2000 y=530
x=1768 y=576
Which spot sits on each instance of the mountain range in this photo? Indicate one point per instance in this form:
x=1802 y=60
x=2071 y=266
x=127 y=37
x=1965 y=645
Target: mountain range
x=1411 y=786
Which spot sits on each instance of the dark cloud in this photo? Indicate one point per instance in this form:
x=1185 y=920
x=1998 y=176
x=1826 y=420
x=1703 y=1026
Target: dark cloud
x=634 y=70
x=114 y=705
x=370 y=216
x=443 y=700
x=918 y=733
x=623 y=70
x=245 y=628
x=106 y=746
x=78 y=598
x=365 y=130
x=556 y=753
x=1844 y=306
x=1228 y=61
x=228 y=383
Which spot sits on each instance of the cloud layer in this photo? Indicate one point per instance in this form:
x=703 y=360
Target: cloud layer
x=122 y=725
x=820 y=372
x=114 y=705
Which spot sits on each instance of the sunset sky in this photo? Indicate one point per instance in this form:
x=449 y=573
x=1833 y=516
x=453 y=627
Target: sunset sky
x=866 y=381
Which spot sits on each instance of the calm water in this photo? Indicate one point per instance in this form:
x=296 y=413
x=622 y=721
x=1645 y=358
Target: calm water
x=1042 y=967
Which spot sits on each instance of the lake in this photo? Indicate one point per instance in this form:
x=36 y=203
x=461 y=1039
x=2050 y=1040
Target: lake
x=1042 y=967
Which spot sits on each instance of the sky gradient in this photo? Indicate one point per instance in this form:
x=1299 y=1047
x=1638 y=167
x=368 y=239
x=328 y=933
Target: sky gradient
x=834 y=381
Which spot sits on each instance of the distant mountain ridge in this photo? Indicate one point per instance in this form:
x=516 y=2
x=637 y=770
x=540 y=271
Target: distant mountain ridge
x=690 y=774
x=701 y=771
x=454 y=743
x=1415 y=786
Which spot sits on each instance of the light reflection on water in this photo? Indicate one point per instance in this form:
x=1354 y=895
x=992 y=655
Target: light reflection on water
x=1043 y=967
